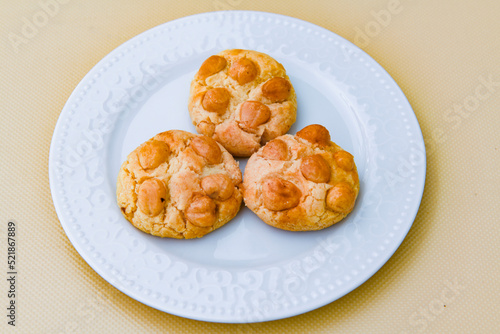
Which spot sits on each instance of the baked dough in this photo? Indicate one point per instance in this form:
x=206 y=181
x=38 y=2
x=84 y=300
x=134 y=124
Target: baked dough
x=179 y=185
x=301 y=183
x=242 y=99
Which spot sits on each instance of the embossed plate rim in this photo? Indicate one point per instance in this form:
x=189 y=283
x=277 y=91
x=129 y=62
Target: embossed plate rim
x=200 y=313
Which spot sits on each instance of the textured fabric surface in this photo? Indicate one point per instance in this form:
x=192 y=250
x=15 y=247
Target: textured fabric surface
x=443 y=54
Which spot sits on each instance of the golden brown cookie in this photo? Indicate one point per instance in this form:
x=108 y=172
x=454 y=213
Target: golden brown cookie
x=242 y=99
x=179 y=185
x=301 y=183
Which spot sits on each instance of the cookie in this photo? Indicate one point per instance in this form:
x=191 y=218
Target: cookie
x=242 y=99
x=301 y=183
x=179 y=185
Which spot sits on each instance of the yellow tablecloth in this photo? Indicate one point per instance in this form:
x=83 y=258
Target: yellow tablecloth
x=443 y=54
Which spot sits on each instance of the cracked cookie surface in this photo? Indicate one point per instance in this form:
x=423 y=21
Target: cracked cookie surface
x=242 y=99
x=179 y=185
x=301 y=183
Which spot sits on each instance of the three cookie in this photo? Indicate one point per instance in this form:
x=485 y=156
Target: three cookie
x=242 y=99
x=182 y=185
x=179 y=185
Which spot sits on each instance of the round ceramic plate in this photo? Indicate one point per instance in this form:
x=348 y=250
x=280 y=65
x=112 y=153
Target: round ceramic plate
x=246 y=271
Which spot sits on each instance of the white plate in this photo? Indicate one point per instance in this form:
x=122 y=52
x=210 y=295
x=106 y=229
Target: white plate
x=245 y=271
